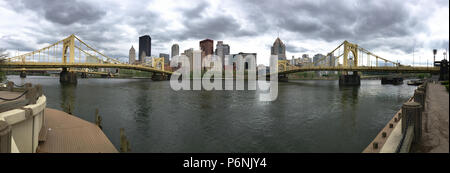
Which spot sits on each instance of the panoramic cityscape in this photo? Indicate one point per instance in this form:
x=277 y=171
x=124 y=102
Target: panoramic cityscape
x=224 y=77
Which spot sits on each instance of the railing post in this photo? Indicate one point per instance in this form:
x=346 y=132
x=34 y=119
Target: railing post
x=5 y=137
x=411 y=112
x=10 y=86
x=98 y=119
x=31 y=95
x=419 y=97
x=124 y=143
x=423 y=88
x=39 y=91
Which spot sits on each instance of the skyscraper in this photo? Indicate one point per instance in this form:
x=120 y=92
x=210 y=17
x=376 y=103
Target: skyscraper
x=166 y=57
x=132 y=55
x=234 y=59
x=279 y=49
x=145 y=45
x=316 y=59
x=222 y=50
x=175 y=50
x=206 y=46
x=190 y=54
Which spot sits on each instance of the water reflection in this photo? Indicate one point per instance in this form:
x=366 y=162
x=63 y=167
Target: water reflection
x=68 y=97
x=143 y=103
x=349 y=97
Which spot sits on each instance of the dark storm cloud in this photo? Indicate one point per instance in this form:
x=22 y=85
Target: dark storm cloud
x=199 y=26
x=64 y=12
x=359 y=21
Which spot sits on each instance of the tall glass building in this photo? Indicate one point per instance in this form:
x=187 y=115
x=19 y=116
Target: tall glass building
x=145 y=45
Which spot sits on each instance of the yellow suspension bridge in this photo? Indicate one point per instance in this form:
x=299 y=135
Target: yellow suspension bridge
x=350 y=57
x=73 y=53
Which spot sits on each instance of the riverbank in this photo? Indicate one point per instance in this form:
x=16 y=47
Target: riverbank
x=435 y=127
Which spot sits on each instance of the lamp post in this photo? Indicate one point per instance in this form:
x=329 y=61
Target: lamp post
x=434 y=56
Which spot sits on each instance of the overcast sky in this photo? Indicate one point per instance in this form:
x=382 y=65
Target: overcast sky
x=389 y=28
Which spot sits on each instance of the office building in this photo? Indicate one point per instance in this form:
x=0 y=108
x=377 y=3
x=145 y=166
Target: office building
x=145 y=45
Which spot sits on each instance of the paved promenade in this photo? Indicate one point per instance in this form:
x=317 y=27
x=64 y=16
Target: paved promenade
x=64 y=133
x=435 y=122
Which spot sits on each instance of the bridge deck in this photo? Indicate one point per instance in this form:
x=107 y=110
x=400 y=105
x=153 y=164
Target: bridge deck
x=70 y=134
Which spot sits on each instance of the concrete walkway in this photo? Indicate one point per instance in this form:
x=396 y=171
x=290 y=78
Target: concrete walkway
x=435 y=122
x=64 y=133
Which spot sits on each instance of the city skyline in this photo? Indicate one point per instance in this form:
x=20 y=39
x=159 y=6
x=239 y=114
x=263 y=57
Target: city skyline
x=390 y=31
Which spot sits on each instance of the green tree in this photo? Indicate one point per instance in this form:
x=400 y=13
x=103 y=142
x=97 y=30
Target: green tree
x=3 y=56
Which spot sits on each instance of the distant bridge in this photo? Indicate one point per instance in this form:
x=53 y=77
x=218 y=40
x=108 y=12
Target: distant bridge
x=58 y=70
x=72 y=52
x=351 y=57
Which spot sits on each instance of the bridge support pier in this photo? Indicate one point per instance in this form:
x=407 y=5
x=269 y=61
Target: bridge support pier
x=392 y=80
x=23 y=74
x=283 y=78
x=84 y=75
x=68 y=77
x=350 y=80
x=159 y=77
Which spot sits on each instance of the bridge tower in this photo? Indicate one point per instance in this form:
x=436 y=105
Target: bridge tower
x=283 y=66
x=67 y=76
x=69 y=45
x=353 y=79
x=350 y=48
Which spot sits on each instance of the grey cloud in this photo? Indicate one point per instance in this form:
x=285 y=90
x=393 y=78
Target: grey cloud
x=8 y=42
x=196 y=11
x=439 y=44
x=336 y=20
x=215 y=27
x=295 y=49
x=62 y=12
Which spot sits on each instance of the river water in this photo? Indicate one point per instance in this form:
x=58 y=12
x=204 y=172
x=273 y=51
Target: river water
x=308 y=116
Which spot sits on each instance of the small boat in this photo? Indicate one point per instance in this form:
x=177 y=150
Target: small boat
x=415 y=82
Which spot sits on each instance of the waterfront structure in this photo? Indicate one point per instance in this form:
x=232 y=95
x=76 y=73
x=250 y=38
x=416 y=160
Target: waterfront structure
x=132 y=55
x=166 y=58
x=38 y=129
x=233 y=59
x=145 y=45
x=190 y=54
x=279 y=49
x=222 y=50
x=142 y=58
x=175 y=50
x=262 y=68
x=320 y=60
x=306 y=60
x=207 y=48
